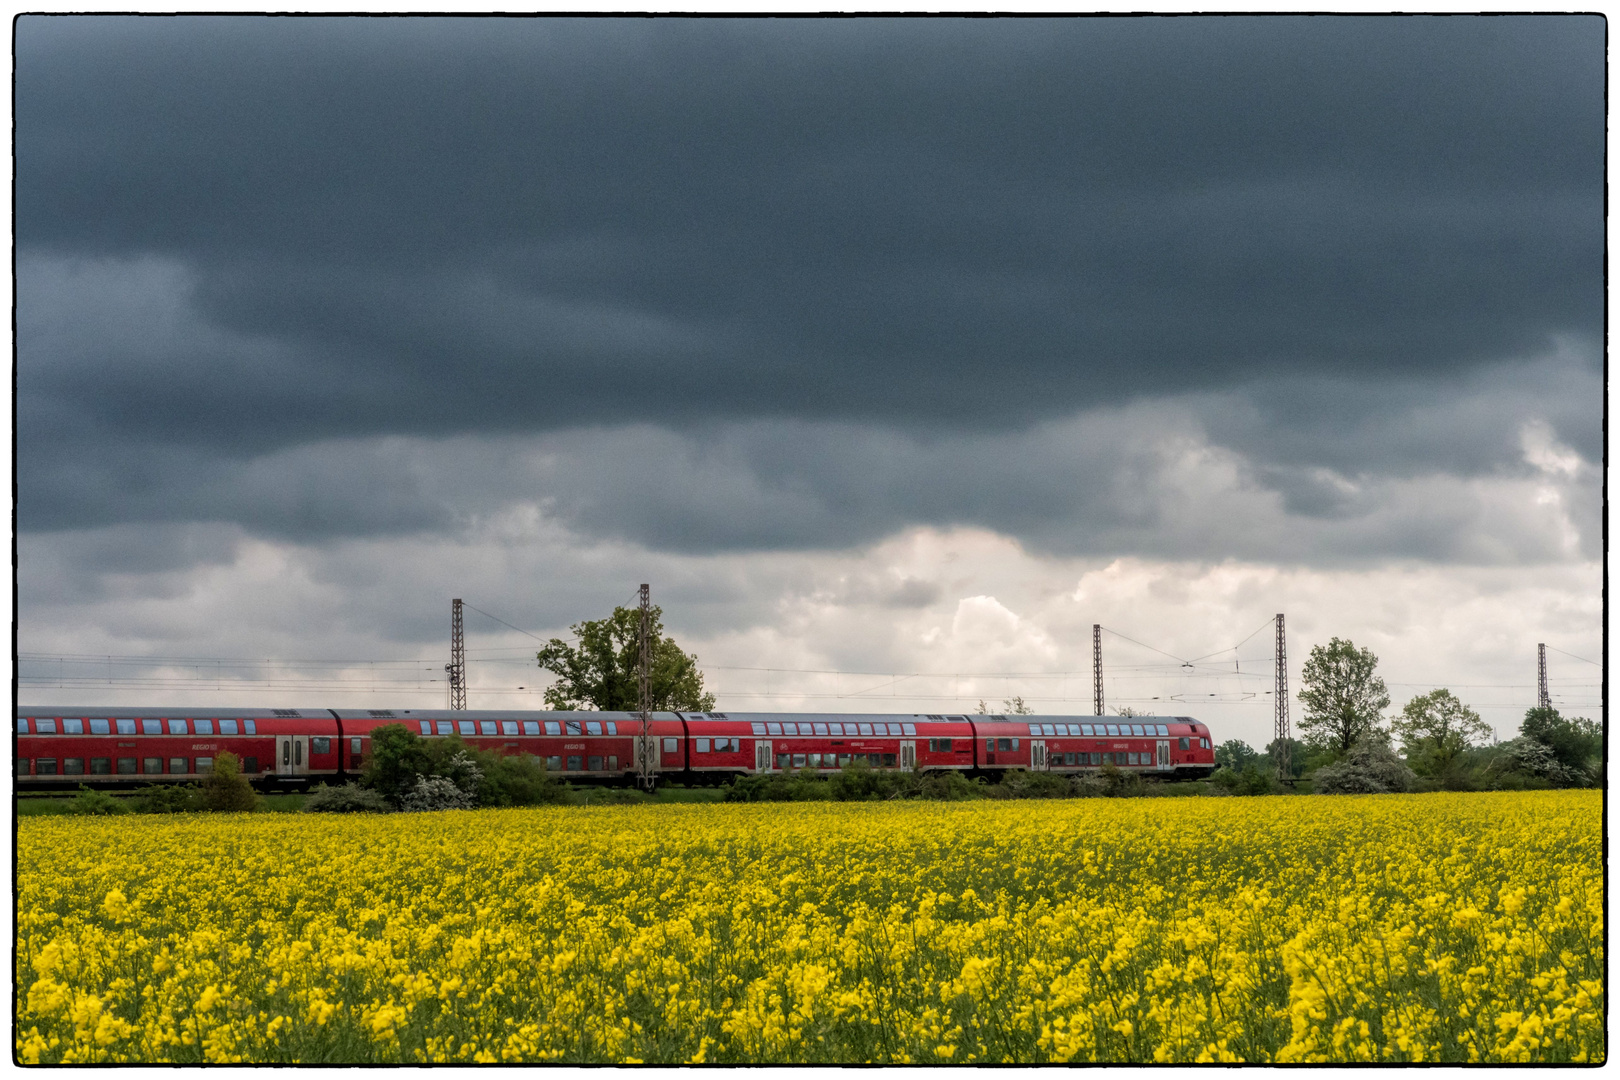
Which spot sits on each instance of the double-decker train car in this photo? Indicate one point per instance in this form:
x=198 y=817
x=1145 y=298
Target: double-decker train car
x=121 y=747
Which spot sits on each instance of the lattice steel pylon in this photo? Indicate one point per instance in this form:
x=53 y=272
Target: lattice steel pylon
x=1096 y=667
x=1543 y=699
x=645 y=761
x=456 y=669
x=1282 y=736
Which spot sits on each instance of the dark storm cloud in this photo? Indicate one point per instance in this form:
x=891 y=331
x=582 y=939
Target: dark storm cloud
x=237 y=236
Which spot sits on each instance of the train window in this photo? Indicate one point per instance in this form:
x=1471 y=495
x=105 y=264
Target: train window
x=444 y=727
x=593 y=727
x=1069 y=759
x=1203 y=744
x=177 y=727
x=100 y=727
x=1184 y=742
x=799 y=760
x=204 y=727
x=1001 y=744
x=595 y=762
x=466 y=727
x=757 y=727
x=152 y=765
x=531 y=727
x=72 y=727
x=782 y=761
x=866 y=729
x=989 y=746
x=1112 y=729
x=228 y=727
x=1085 y=729
x=73 y=766
x=732 y=745
x=45 y=766
x=44 y=725
x=250 y=766
x=572 y=727
x=790 y=728
x=205 y=764
x=835 y=729
x=553 y=728
x=910 y=729
x=774 y=728
x=821 y=729
x=354 y=745
x=702 y=746
x=1162 y=729
x=573 y=762
x=100 y=766
x=671 y=745
x=815 y=760
x=22 y=766
x=1096 y=758
x=1015 y=744
x=889 y=761
x=554 y=763
x=486 y=727
x=22 y=725
x=1049 y=729
x=426 y=726
x=509 y=727
x=250 y=727
x=1034 y=729
x=1139 y=729
x=319 y=745
x=613 y=763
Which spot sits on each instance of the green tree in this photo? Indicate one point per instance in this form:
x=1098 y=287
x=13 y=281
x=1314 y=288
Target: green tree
x=1298 y=755
x=225 y=788
x=1576 y=742
x=397 y=756
x=1343 y=696
x=602 y=671
x=1234 y=754
x=1435 y=728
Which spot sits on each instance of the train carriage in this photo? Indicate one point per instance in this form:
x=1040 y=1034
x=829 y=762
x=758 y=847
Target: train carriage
x=60 y=746
x=1161 y=745
x=829 y=741
x=593 y=746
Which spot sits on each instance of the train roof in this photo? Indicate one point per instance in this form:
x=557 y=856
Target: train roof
x=176 y=711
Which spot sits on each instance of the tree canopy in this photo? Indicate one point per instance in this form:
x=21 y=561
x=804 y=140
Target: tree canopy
x=1575 y=742
x=1434 y=728
x=1343 y=696
x=602 y=671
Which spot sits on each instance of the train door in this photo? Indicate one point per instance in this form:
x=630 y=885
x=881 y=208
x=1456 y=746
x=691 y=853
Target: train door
x=1037 y=754
x=1164 y=753
x=908 y=753
x=762 y=757
x=292 y=755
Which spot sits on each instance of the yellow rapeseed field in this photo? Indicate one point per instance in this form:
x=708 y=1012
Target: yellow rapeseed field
x=1380 y=928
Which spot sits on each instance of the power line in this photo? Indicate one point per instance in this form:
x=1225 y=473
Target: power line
x=506 y=624
x=1572 y=656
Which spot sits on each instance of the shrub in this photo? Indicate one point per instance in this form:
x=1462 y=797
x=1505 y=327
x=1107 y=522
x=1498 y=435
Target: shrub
x=226 y=789
x=517 y=780
x=1370 y=768
x=1250 y=780
x=761 y=787
x=92 y=801
x=169 y=799
x=1527 y=762
x=350 y=798
x=437 y=793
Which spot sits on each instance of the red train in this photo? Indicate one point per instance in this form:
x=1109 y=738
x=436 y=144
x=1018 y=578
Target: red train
x=123 y=747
